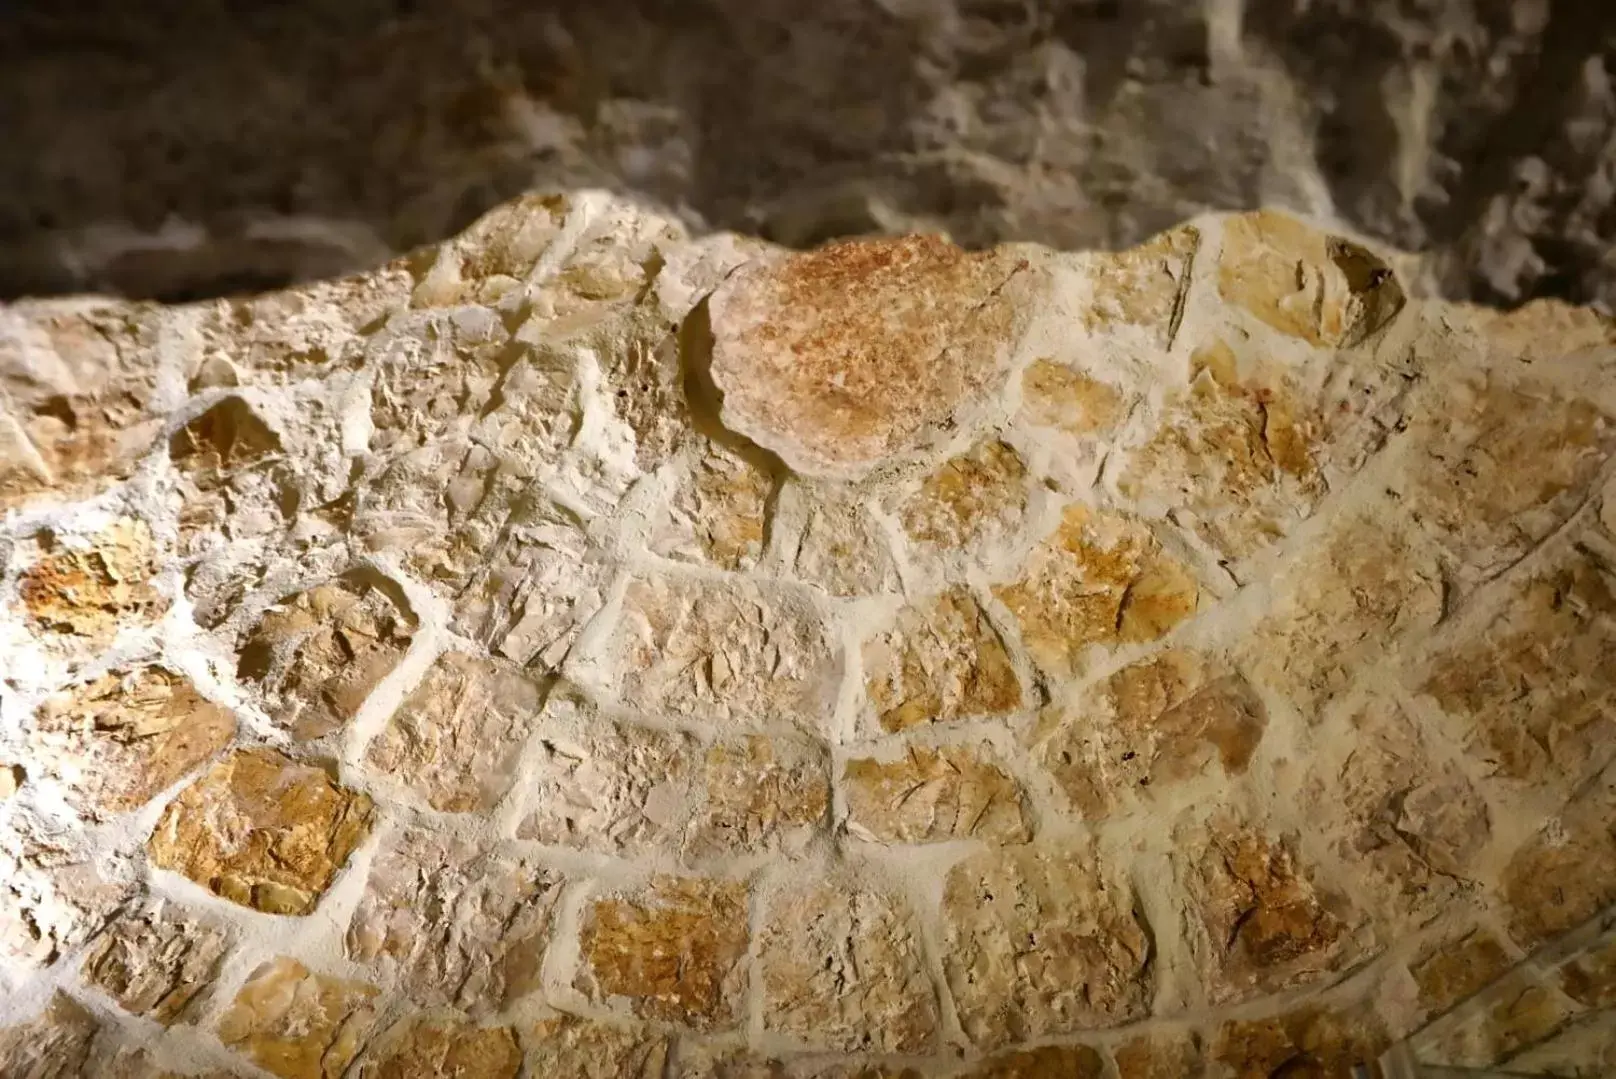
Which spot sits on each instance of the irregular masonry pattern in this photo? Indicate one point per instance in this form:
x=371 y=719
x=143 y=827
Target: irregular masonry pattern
x=584 y=649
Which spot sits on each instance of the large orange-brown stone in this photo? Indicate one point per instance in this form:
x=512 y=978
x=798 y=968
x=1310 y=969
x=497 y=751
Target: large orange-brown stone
x=93 y=588
x=840 y=358
x=674 y=950
x=443 y=1047
x=262 y=830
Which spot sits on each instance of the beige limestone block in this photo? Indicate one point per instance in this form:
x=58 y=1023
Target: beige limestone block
x=674 y=951
x=55 y=1044
x=941 y=661
x=1457 y=969
x=262 y=830
x=156 y=963
x=580 y=1049
x=841 y=358
x=1048 y=1062
x=997 y=901
x=1151 y=725
x=93 y=590
x=1531 y=690
x=1408 y=824
x=1161 y=1056
x=630 y=790
x=841 y=968
x=732 y=652
x=441 y=1047
x=435 y=371
x=77 y=386
x=843 y=548
x=1310 y=1041
x=1323 y=289
x=299 y=1024
x=1567 y=872
x=1100 y=578
x=975 y=499
x=1546 y=329
x=1584 y=1048
x=933 y=795
x=1256 y=920
x=117 y=742
x=454 y=923
x=317 y=655
x=1061 y=397
x=1344 y=604
x=1143 y=286
x=455 y=741
x=718 y=513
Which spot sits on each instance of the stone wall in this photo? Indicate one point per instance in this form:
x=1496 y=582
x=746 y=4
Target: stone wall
x=587 y=649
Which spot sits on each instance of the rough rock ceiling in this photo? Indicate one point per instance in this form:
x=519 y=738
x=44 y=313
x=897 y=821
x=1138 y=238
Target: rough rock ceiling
x=584 y=650
x=187 y=148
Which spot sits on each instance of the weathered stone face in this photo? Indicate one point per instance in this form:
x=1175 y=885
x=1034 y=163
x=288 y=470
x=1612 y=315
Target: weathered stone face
x=880 y=662
x=318 y=654
x=1099 y=579
x=940 y=662
x=1259 y=922
x=93 y=588
x=262 y=830
x=840 y=358
x=673 y=951
x=841 y=968
x=117 y=742
x=931 y=795
x=156 y=964
x=456 y=738
x=995 y=902
x=298 y=1024
x=1150 y=725
x=452 y=923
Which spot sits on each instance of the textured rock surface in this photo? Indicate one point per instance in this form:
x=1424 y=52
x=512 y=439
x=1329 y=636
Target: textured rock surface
x=494 y=665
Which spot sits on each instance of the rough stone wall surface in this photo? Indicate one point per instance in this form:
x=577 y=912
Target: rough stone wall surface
x=173 y=148
x=585 y=649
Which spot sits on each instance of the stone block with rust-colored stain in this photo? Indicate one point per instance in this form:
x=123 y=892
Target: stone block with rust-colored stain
x=842 y=358
x=1100 y=578
x=262 y=830
x=1063 y=398
x=1589 y=978
x=941 y=661
x=842 y=969
x=1048 y=1062
x=451 y=922
x=1256 y=919
x=156 y=963
x=674 y=951
x=455 y=740
x=1100 y=974
x=297 y=1023
x=1323 y=289
x=1310 y=1041
x=1161 y=1056
x=117 y=742
x=92 y=588
x=1457 y=969
x=730 y=652
x=1153 y=724
x=318 y=654
x=933 y=795
x=970 y=501
x=445 y=1046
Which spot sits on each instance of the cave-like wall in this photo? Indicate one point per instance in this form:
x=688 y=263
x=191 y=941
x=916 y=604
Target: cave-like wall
x=185 y=148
